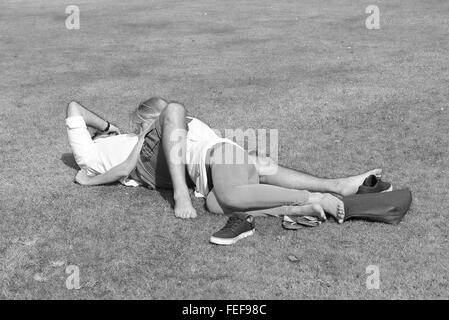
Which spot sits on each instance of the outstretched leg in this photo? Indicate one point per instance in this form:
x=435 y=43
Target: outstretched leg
x=305 y=210
x=294 y=179
x=237 y=188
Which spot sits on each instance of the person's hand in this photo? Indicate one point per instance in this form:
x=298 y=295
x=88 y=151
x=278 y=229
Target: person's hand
x=82 y=178
x=144 y=129
x=331 y=204
x=113 y=129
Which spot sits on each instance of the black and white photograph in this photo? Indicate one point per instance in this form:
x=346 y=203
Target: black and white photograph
x=224 y=150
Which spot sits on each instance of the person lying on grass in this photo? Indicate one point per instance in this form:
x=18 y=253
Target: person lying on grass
x=242 y=188
x=111 y=156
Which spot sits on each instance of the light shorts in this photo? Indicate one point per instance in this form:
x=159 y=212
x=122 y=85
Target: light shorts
x=200 y=139
x=83 y=147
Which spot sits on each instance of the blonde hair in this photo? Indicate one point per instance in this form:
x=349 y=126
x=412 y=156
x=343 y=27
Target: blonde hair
x=147 y=111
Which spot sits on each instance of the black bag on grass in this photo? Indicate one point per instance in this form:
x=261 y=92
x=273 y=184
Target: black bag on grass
x=387 y=207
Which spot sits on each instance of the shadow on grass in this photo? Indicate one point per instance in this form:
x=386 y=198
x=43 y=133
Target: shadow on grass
x=69 y=160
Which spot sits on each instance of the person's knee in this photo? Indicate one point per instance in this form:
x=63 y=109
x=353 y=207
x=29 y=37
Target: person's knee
x=73 y=109
x=228 y=198
x=212 y=204
x=173 y=113
x=265 y=165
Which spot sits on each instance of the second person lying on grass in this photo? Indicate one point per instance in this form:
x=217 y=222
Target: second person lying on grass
x=244 y=185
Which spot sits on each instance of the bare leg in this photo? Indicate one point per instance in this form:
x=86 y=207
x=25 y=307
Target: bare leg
x=237 y=189
x=294 y=179
x=314 y=210
x=174 y=122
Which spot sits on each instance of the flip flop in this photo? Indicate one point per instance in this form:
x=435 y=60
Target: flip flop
x=300 y=222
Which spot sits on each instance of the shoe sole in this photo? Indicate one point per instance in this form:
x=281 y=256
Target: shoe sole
x=227 y=242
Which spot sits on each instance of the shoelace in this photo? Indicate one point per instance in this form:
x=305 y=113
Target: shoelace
x=233 y=223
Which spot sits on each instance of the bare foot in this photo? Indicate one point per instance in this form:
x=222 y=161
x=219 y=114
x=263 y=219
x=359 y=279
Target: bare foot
x=350 y=185
x=330 y=204
x=311 y=210
x=184 y=209
x=341 y=213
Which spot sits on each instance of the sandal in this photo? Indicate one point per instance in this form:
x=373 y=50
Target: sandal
x=300 y=222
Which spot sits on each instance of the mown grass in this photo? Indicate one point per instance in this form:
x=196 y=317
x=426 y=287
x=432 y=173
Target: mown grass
x=343 y=98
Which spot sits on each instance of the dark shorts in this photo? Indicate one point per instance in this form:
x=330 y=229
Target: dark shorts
x=152 y=168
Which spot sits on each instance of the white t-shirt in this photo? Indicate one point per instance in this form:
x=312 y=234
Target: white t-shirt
x=113 y=150
x=99 y=155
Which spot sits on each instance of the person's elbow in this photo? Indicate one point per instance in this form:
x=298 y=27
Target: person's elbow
x=73 y=109
x=172 y=112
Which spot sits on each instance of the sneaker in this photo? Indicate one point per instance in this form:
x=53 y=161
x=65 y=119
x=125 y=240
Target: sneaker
x=237 y=227
x=372 y=184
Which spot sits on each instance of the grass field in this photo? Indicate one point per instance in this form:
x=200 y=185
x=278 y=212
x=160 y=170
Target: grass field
x=343 y=98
